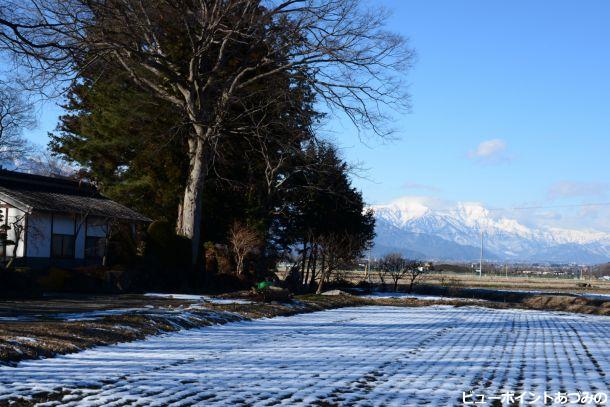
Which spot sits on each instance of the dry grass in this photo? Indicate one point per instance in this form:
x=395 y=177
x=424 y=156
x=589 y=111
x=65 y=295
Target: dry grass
x=523 y=283
x=500 y=282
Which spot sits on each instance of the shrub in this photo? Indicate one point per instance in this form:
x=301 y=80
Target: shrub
x=17 y=284
x=55 y=279
x=167 y=255
x=86 y=280
x=451 y=285
x=365 y=286
x=226 y=282
x=338 y=283
x=218 y=258
x=122 y=248
x=269 y=294
x=211 y=260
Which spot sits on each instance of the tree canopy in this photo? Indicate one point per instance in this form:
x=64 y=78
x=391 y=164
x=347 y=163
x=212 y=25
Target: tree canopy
x=205 y=112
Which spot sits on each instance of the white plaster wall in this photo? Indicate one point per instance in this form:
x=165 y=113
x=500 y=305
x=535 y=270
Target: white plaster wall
x=63 y=224
x=39 y=235
x=97 y=227
x=79 y=242
x=12 y=216
x=75 y=226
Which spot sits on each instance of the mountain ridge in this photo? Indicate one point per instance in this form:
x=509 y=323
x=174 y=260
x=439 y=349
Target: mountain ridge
x=455 y=234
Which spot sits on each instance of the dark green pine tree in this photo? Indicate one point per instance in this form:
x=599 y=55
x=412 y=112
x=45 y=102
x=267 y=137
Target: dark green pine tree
x=126 y=141
x=324 y=205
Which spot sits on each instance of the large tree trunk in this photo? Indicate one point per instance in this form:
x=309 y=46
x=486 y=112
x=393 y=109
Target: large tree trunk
x=240 y=267
x=191 y=211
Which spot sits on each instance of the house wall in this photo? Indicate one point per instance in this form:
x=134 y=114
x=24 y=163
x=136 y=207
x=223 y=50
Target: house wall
x=39 y=235
x=64 y=224
x=12 y=216
x=41 y=226
x=71 y=225
x=15 y=216
x=97 y=227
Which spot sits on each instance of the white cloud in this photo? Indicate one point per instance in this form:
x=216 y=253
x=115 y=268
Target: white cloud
x=490 y=151
x=572 y=189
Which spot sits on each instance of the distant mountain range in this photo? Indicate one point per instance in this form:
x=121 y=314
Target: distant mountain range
x=421 y=233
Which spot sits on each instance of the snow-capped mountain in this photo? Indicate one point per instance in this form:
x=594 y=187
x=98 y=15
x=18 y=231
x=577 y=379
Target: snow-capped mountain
x=418 y=231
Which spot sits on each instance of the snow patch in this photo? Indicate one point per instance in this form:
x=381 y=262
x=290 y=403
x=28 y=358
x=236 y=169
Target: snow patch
x=204 y=298
x=382 y=295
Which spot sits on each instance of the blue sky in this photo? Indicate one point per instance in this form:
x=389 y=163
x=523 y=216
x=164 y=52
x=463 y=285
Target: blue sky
x=510 y=108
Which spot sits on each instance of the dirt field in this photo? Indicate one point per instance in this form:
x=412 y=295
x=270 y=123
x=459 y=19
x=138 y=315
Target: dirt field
x=521 y=283
x=364 y=356
x=497 y=282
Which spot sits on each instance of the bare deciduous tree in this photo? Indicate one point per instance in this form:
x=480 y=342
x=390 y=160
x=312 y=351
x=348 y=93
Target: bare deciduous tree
x=243 y=240
x=205 y=56
x=393 y=265
x=15 y=116
x=42 y=162
x=396 y=267
x=415 y=271
x=336 y=249
x=382 y=274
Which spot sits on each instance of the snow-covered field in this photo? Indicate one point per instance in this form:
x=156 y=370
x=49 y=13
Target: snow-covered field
x=423 y=297
x=350 y=356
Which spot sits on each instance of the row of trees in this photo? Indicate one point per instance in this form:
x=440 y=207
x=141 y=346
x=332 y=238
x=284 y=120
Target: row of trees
x=206 y=112
x=394 y=267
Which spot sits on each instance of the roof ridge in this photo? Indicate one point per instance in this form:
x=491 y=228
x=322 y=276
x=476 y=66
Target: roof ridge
x=60 y=182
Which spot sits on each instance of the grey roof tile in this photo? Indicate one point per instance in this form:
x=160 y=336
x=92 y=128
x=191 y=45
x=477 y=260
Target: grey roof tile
x=34 y=192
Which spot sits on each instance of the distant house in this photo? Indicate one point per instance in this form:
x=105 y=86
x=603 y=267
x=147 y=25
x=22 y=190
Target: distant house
x=56 y=221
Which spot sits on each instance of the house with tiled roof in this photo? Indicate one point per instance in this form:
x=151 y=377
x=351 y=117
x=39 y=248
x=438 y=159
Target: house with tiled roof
x=57 y=221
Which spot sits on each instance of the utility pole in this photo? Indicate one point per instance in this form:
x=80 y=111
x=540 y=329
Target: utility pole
x=367 y=276
x=481 y=259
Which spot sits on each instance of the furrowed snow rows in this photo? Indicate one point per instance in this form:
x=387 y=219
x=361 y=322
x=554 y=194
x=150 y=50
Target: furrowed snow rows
x=351 y=356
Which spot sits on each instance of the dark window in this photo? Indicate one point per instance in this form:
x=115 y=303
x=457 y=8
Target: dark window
x=62 y=246
x=94 y=247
